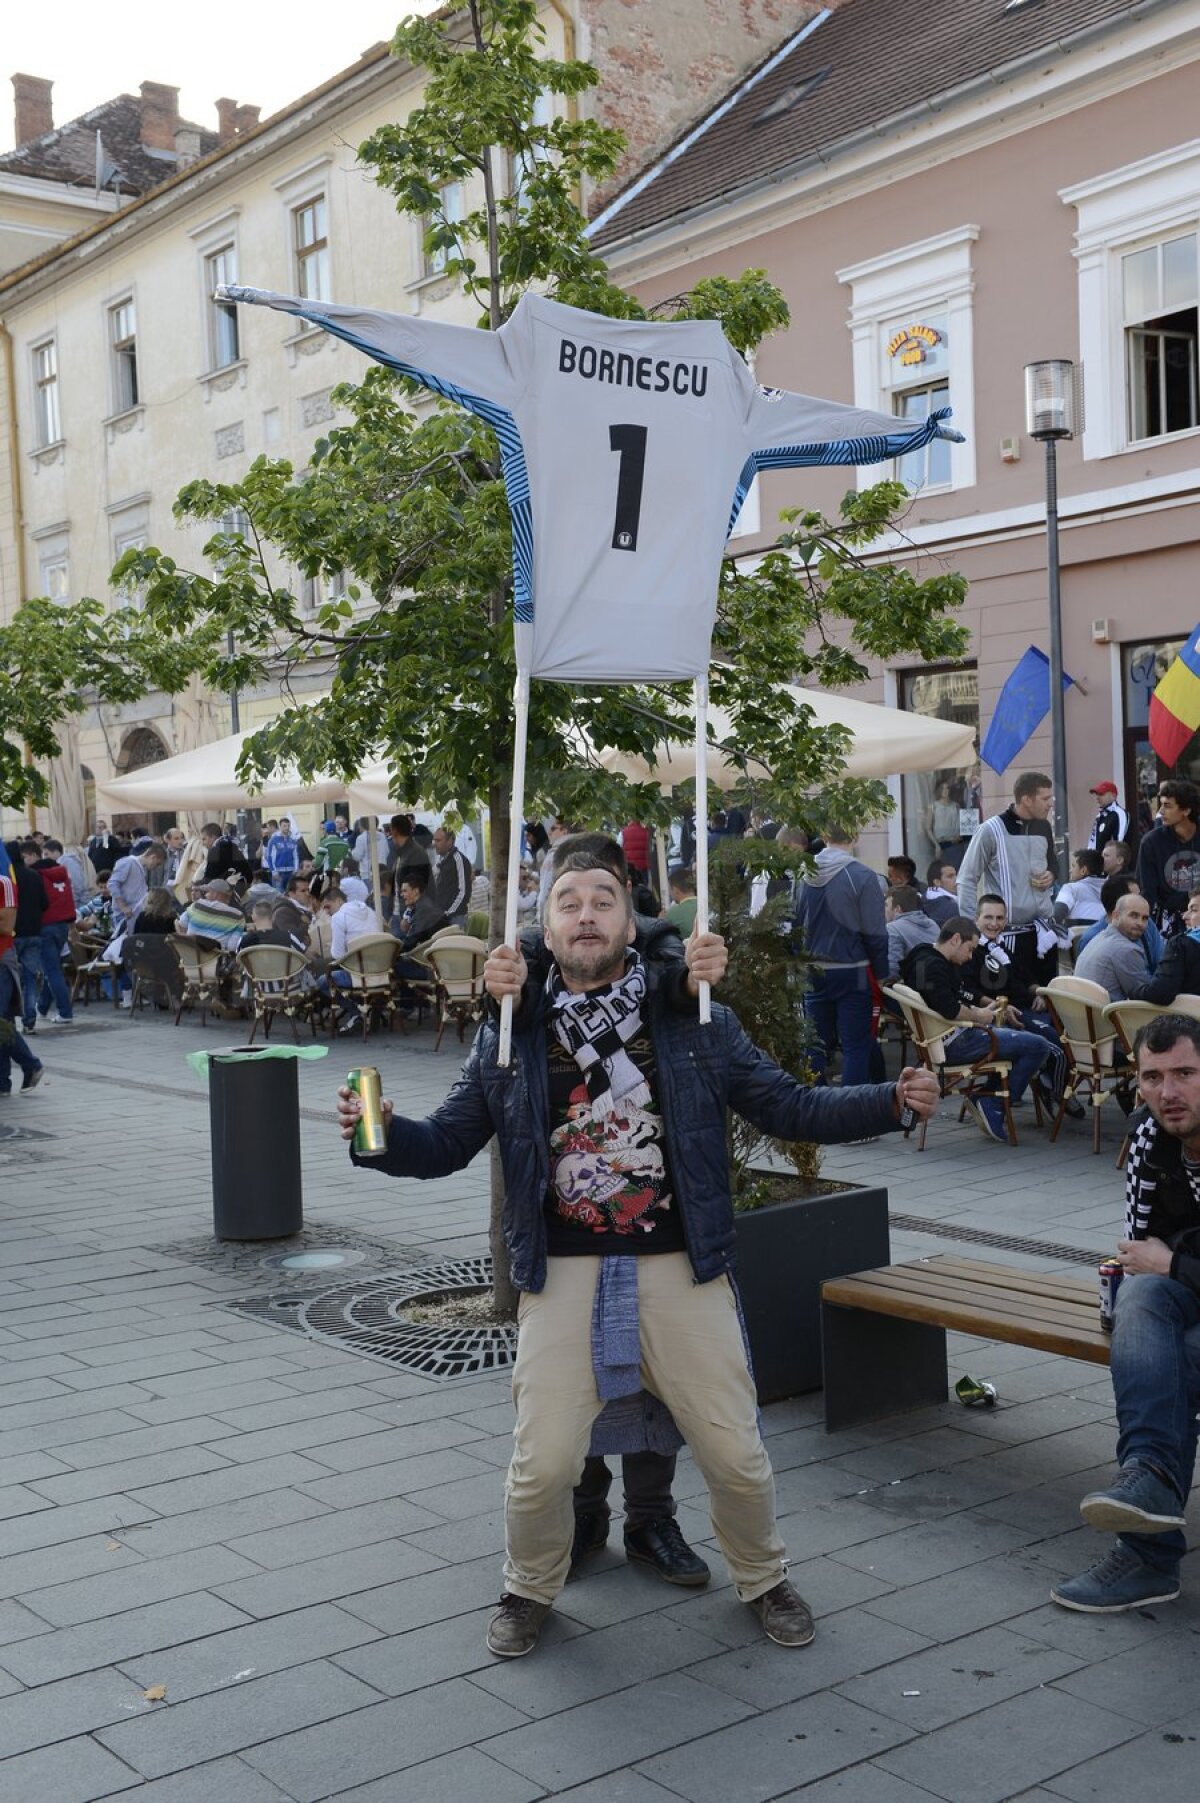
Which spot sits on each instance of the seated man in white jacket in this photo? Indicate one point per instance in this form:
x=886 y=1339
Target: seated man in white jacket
x=353 y=918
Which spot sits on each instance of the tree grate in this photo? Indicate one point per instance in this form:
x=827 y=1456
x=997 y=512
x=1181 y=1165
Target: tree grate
x=368 y=1318
x=1003 y=1242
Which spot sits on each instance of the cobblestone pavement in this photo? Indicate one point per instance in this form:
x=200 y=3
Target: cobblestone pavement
x=297 y=1548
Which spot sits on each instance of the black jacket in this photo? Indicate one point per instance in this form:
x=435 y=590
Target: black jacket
x=701 y=1071
x=1178 y=972
x=31 y=899
x=1167 y=868
x=1159 y=1201
x=223 y=857
x=938 y=982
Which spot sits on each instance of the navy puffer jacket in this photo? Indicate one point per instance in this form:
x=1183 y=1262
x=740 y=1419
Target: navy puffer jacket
x=701 y=1071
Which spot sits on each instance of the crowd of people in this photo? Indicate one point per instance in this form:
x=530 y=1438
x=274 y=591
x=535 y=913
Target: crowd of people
x=263 y=886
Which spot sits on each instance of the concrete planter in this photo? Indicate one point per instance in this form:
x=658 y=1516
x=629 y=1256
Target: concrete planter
x=784 y=1252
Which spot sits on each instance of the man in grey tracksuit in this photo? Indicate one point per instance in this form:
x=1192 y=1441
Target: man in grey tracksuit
x=839 y=913
x=1012 y=855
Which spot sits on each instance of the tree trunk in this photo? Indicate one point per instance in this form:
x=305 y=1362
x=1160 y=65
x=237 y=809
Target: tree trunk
x=503 y=1293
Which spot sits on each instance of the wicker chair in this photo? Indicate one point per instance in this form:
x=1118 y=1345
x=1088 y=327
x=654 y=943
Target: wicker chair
x=929 y=1032
x=368 y=963
x=280 y=983
x=457 y=961
x=200 y=963
x=1078 y=1008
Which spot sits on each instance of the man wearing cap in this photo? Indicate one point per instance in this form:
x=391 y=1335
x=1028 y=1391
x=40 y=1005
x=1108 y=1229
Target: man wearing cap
x=214 y=915
x=1112 y=821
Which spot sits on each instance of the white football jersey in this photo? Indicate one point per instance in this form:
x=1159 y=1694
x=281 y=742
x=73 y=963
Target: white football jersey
x=628 y=447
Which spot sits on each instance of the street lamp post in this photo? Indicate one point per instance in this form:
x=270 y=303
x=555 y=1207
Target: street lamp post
x=1050 y=414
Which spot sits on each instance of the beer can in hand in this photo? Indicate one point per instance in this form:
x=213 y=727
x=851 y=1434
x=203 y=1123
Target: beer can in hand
x=1111 y=1273
x=370 y=1139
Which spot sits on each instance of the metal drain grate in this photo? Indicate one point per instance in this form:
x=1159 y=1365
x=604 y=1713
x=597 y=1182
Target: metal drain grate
x=1003 y=1242
x=368 y=1318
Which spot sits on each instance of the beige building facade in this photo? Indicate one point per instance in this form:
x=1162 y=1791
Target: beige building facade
x=1048 y=205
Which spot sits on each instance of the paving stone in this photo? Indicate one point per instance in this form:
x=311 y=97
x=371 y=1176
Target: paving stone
x=16 y=1499
x=942 y=1684
x=117 y=1638
x=351 y=1488
x=255 y=1649
x=300 y=1436
x=618 y=1787
x=227 y=1485
x=146 y=1581
x=1149 y=1689
x=846 y=1644
x=53 y=1712
x=44 y=1437
x=322 y=1580
x=333 y=1531
x=51 y=1565
x=448 y=1649
x=1009 y=1747
x=140 y=1442
x=27 y=1465
x=778 y=1750
x=74 y=1771
x=251 y=1416
x=830 y=1528
x=1094 y=1637
x=859 y=1784
x=222 y=1524
x=615 y=1731
x=389 y=1737
x=222 y=1781
x=206 y=1727
x=962 y=1601
x=18 y=1623
x=593 y=1665
x=916 y=1553
x=132 y=1474
x=1161 y=1765
x=456 y=1777
x=437 y=1596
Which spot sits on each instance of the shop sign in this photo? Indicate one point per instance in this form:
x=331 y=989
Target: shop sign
x=912 y=345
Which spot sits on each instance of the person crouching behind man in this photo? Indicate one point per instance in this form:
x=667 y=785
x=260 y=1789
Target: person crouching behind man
x=619 y=1227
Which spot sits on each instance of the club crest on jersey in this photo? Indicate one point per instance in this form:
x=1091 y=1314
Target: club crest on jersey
x=657 y=375
x=770 y=394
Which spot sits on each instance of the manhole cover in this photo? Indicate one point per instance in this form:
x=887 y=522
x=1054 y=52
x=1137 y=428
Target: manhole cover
x=319 y=1254
x=368 y=1317
x=338 y=1258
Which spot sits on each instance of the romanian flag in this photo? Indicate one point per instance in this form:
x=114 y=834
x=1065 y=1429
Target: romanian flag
x=1175 y=705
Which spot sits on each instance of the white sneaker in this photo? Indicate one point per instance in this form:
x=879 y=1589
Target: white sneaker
x=62 y=1020
x=126 y=1001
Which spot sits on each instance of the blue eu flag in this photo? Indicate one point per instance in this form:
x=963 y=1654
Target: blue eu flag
x=1021 y=706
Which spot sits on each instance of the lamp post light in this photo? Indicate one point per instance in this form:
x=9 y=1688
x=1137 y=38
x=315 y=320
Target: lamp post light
x=1051 y=413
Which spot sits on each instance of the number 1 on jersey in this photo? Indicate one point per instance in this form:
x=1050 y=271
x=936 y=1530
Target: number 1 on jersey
x=630 y=441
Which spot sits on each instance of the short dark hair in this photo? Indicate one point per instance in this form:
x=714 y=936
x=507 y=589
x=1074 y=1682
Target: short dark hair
x=959 y=926
x=1089 y=859
x=211 y=826
x=594 y=845
x=402 y=823
x=1114 y=887
x=587 y=860
x=1031 y=782
x=991 y=896
x=1184 y=794
x=933 y=874
x=1126 y=852
x=683 y=879
x=1165 y=1031
x=904 y=897
x=298 y=881
x=416 y=876
x=51 y=845
x=900 y=862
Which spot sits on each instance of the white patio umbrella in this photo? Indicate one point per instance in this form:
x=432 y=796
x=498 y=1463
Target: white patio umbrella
x=887 y=742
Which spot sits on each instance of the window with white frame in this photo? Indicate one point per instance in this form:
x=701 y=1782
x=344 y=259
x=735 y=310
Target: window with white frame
x=129 y=528
x=122 y=338
x=1139 y=298
x=220 y=268
x=310 y=247
x=912 y=337
x=54 y=563
x=1159 y=307
x=521 y=167
x=451 y=210
x=47 y=419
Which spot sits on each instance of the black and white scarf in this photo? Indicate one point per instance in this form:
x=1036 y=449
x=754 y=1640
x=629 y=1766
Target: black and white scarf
x=595 y=1027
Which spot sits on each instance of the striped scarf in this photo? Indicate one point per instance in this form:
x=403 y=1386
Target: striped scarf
x=595 y=1026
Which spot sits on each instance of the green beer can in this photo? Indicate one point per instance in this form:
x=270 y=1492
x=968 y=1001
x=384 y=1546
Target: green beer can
x=370 y=1136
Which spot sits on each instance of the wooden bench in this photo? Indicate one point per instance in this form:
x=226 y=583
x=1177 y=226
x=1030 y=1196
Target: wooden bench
x=883 y=1333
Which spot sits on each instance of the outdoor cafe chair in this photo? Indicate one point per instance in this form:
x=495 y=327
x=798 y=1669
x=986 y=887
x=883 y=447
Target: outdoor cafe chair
x=965 y=1078
x=457 y=961
x=148 y=959
x=368 y=963
x=1078 y=1008
x=90 y=968
x=200 y=962
x=280 y=983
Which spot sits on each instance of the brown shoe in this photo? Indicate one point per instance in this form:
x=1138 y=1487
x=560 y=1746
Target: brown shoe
x=785 y=1616
x=513 y=1630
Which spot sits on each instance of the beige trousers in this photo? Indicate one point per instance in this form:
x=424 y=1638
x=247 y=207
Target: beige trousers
x=694 y=1360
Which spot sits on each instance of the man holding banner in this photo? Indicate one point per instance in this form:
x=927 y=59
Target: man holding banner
x=619 y=1225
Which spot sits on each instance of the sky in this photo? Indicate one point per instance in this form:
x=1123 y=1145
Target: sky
x=259 y=54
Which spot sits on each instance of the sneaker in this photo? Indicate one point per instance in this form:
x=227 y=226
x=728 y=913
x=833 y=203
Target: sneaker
x=591 y=1536
x=1118 y=1581
x=62 y=1020
x=513 y=1630
x=29 y=1026
x=32 y=1078
x=989 y=1115
x=1138 y=1503
x=661 y=1544
x=785 y=1616
x=126 y=1001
